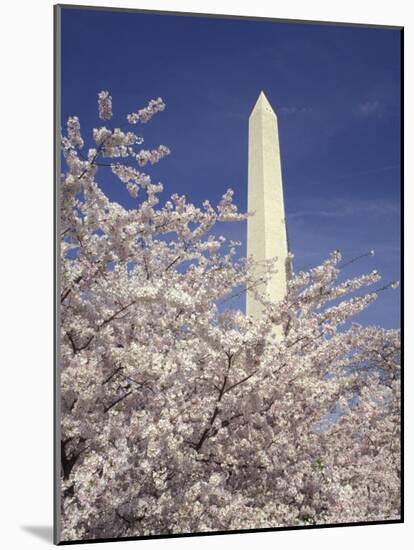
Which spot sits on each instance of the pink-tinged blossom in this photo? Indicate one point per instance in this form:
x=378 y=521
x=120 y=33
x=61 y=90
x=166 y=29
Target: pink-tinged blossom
x=129 y=174
x=145 y=114
x=74 y=134
x=144 y=156
x=105 y=105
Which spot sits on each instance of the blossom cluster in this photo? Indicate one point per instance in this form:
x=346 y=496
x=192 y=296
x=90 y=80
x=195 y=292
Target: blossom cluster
x=145 y=114
x=154 y=156
x=105 y=105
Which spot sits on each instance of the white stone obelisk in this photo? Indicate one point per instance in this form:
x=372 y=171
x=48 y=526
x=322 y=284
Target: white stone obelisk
x=266 y=230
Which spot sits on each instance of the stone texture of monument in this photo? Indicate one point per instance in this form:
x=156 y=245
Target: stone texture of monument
x=266 y=230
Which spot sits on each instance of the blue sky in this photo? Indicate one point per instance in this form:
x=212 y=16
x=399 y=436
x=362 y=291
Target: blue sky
x=336 y=91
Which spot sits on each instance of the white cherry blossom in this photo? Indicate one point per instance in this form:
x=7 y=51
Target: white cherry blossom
x=180 y=414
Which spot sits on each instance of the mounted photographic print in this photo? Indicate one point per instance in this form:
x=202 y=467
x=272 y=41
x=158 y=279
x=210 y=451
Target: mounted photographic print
x=228 y=214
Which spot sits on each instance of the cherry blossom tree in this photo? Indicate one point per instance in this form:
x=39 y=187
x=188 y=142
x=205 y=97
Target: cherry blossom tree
x=180 y=414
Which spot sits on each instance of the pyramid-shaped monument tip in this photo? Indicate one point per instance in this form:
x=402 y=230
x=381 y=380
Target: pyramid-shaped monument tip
x=262 y=103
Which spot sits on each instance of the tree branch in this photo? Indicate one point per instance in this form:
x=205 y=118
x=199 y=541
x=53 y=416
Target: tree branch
x=112 y=317
x=106 y=409
x=207 y=431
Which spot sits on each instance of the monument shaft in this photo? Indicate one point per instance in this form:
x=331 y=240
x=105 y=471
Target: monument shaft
x=266 y=230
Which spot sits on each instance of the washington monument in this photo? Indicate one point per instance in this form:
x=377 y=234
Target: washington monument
x=266 y=230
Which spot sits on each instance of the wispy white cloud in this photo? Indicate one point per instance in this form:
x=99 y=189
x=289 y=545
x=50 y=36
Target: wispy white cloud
x=341 y=207
x=371 y=108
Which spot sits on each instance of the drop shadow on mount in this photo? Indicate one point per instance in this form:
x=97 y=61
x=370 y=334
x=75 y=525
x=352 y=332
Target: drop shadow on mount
x=43 y=532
